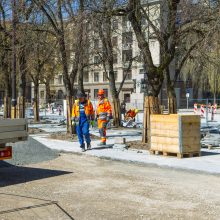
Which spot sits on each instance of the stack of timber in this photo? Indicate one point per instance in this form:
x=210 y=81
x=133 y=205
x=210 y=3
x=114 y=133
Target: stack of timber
x=177 y=135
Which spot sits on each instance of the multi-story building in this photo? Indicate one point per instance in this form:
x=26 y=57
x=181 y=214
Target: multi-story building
x=125 y=48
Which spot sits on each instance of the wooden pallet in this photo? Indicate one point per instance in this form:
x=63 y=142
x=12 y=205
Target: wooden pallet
x=179 y=155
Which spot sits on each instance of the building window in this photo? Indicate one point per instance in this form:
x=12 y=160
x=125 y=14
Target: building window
x=115 y=24
x=140 y=58
x=129 y=74
x=127 y=98
x=87 y=92
x=96 y=59
x=86 y=76
x=42 y=94
x=126 y=55
x=52 y=81
x=105 y=78
x=53 y=94
x=96 y=43
x=60 y=94
x=116 y=75
x=143 y=21
x=115 y=41
x=115 y=58
x=142 y=71
x=106 y=92
x=96 y=77
x=127 y=38
x=96 y=93
x=125 y=22
x=60 y=79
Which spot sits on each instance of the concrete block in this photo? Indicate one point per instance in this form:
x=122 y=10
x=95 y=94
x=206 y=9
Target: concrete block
x=120 y=146
x=120 y=140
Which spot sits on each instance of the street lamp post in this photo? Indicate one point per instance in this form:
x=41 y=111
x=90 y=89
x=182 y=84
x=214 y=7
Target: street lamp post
x=14 y=95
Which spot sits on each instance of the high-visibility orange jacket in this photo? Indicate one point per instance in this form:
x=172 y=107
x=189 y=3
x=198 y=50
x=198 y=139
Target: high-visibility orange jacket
x=104 y=109
x=88 y=107
x=131 y=113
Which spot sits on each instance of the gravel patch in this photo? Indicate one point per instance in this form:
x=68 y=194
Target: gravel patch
x=30 y=152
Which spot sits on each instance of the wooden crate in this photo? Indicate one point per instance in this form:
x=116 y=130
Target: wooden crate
x=177 y=134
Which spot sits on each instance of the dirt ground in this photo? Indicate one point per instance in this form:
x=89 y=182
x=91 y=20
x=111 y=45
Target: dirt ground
x=85 y=187
x=68 y=137
x=137 y=145
x=35 y=131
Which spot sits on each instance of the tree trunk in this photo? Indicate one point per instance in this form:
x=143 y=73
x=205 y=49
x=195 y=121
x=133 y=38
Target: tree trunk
x=80 y=80
x=171 y=95
x=7 y=99
x=67 y=83
x=22 y=85
x=70 y=127
x=36 y=103
x=81 y=46
x=116 y=101
x=7 y=107
x=172 y=108
x=151 y=106
x=48 y=94
x=117 y=112
x=21 y=107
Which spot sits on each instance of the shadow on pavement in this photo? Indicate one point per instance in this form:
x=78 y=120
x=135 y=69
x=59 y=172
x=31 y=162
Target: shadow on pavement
x=43 y=203
x=103 y=147
x=207 y=153
x=11 y=175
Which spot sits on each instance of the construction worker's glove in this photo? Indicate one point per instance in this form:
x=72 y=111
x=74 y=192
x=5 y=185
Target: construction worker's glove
x=76 y=121
x=92 y=123
x=104 y=124
x=107 y=119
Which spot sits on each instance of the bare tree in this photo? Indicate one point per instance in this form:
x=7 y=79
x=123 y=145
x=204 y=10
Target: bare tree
x=41 y=49
x=105 y=24
x=5 y=72
x=51 y=69
x=162 y=21
x=60 y=26
x=5 y=54
x=14 y=32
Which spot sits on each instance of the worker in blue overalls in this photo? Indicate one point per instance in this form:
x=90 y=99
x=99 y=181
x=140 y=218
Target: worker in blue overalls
x=82 y=114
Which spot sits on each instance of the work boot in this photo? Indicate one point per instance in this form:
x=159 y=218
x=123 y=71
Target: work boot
x=89 y=146
x=102 y=144
x=82 y=146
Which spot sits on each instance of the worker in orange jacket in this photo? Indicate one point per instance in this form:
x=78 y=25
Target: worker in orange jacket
x=82 y=114
x=104 y=114
x=131 y=113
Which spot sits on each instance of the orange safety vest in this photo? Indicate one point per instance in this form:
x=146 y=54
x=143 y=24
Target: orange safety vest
x=88 y=107
x=104 y=109
x=131 y=113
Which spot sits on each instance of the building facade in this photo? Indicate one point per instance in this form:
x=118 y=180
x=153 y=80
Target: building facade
x=125 y=48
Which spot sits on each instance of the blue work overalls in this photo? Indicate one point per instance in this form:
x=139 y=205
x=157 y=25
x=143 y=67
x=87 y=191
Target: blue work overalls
x=82 y=128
